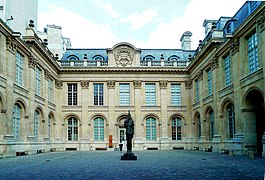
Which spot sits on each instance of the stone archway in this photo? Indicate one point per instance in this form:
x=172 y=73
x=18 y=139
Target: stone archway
x=255 y=122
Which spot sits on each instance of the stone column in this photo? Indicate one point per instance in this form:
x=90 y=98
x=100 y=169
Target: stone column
x=138 y=132
x=164 y=119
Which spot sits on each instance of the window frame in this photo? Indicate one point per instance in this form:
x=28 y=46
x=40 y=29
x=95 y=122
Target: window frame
x=151 y=131
x=99 y=129
x=150 y=94
x=72 y=129
x=175 y=94
x=72 y=94
x=98 y=94
x=124 y=94
x=19 y=69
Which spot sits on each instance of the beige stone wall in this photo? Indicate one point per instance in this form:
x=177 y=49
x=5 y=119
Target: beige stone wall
x=241 y=93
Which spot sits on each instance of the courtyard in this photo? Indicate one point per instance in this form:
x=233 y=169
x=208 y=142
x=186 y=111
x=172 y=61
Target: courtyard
x=172 y=164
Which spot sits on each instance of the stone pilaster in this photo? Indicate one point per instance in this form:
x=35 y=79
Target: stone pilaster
x=138 y=134
x=164 y=118
x=111 y=105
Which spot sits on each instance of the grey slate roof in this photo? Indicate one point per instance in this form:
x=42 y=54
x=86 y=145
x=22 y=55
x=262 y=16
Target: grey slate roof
x=156 y=53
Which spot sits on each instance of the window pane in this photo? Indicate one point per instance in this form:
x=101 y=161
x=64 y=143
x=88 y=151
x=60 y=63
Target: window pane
x=124 y=94
x=150 y=94
x=98 y=94
x=253 y=53
x=72 y=94
x=175 y=94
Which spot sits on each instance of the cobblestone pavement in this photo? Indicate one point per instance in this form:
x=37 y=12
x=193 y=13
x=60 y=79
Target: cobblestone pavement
x=174 y=164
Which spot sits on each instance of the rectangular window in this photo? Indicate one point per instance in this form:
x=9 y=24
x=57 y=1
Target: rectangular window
x=175 y=94
x=150 y=94
x=253 y=62
x=98 y=94
x=50 y=90
x=19 y=69
x=72 y=94
x=197 y=95
x=38 y=81
x=125 y=94
x=228 y=79
x=209 y=81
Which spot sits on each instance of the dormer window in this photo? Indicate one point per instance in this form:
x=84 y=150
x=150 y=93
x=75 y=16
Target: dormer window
x=229 y=28
x=72 y=58
x=173 y=58
x=98 y=58
x=149 y=58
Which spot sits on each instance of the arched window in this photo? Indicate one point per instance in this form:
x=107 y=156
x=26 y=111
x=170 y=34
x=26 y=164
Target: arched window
x=50 y=118
x=176 y=128
x=72 y=129
x=199 y=126
x=36 y=124
x=173 y=58
x=149 y=58
x=99 y=129
x=151 y=129
x=98 y=58
x=211 y=121
x=72 y=58
x=231 y=120
x=16 y=121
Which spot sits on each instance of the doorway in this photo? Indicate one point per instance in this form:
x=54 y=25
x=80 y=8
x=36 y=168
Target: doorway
x=255 y=119
x=122 y=136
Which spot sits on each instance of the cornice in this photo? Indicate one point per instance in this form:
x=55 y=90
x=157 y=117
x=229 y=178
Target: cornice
x=123 y=70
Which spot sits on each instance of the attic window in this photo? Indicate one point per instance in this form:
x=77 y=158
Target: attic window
x=149 y=58
x=98 y=58
x=173 y=58
x=229 y=28
x=72 y=58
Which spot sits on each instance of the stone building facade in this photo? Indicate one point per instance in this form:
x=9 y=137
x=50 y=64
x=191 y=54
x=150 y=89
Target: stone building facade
x=208 y=98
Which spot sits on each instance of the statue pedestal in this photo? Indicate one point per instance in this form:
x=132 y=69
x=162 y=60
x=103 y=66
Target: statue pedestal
x=128 y=156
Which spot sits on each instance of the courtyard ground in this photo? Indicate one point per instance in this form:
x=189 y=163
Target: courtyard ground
x=174 y=164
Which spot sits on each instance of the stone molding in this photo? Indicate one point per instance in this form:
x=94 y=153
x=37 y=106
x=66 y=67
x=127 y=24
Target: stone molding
x=188 y=84
x=214 y=63
x=10 y=44
x=137 y=84
x=123 y=56
x=58 y=84
x=32 y=62
x=200 y=75
x=234 y=46
x=111 y=84
x=163 y=84
x=261 y=22
x=84 y=84
x=47 y=74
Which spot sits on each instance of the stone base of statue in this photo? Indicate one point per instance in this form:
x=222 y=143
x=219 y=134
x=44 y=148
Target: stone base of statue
x=128 y=156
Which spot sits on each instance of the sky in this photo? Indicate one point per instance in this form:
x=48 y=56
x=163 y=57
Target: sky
x=143 y=23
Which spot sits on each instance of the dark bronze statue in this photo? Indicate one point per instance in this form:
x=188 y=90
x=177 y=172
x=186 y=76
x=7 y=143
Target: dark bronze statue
x=129 y=126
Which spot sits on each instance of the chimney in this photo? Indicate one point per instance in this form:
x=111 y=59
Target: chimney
x=208 y=25
x=186 y=41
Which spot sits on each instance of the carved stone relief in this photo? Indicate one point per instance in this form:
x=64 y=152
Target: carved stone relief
x=234 y=46
x=163 y=84
x=58 y=84
x=84 y=84
x=137 y=84
x=261 y=22
x=111 y=84
x=123 y=56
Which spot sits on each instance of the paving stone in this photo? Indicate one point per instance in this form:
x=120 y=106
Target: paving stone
x=150 y=165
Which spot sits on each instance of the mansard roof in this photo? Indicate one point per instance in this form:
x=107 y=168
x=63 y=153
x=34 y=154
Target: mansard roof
x=90 y=54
